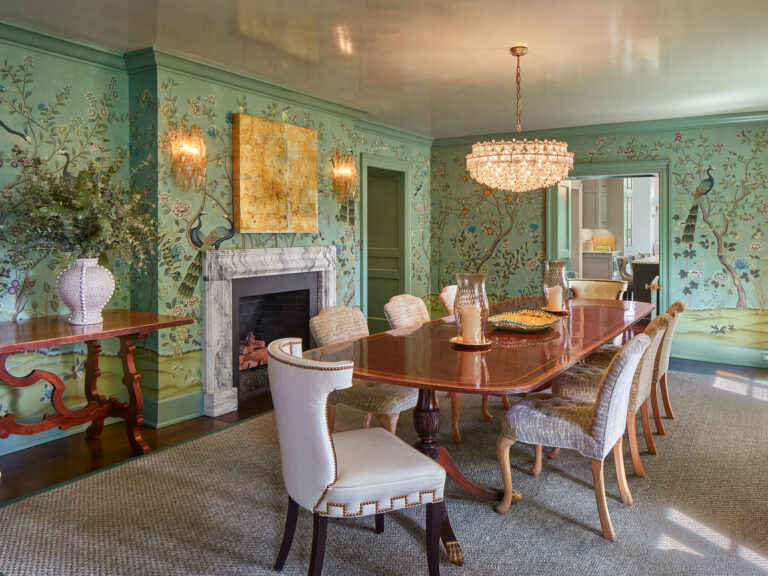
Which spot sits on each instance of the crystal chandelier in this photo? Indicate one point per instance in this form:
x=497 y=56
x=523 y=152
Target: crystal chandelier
x=519 y=165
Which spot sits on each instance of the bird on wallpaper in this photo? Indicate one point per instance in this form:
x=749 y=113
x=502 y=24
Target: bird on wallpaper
x=15 y=132
x=65 y=173
x=418 y=189
x=702 y=190
x=211 y=242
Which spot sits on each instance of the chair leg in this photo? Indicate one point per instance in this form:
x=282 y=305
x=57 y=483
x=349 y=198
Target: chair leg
x=434 y=521
x=637 y=464
x=602 y=506
x=487 y=415
x=656 y=412
x=367 y=420
x=290 y=530
x=379 y=523
x=650 y=444
x=553 y=454
x=665 y=397
x=319 y=533
x=389 y=421
x=455 y=409
x=505 y=403
x=536 y=470
x=621 y=474
x=503 y=444
x=330 y=416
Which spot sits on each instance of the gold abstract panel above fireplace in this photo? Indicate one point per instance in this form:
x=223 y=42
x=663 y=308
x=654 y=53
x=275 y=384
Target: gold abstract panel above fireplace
x=275 y=176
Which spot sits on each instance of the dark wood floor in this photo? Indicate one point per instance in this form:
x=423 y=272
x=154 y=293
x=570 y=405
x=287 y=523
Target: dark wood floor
x=46 y=465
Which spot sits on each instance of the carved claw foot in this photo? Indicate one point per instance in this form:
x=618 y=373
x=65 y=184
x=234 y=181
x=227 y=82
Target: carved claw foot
x=455 y=555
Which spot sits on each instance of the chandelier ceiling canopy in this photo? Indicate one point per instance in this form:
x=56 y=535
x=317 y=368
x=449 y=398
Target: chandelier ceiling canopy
x=519 y=165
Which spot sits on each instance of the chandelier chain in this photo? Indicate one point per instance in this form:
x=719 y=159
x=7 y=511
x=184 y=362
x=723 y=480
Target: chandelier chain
x=517 y=79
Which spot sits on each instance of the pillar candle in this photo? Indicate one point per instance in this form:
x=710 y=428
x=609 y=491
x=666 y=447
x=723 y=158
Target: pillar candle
x=471 y=325
x=555 y=298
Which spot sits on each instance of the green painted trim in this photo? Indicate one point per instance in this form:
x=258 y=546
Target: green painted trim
x=61 y=47
x=370 y=160
x=550 y=221
x=707 y=352
x=684 y=123
x=391 y=132
x=139 y=60
x=162 y=413
x=627 y=169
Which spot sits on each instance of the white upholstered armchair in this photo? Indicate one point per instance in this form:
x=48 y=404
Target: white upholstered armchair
x=592 y=428
x=349 y=474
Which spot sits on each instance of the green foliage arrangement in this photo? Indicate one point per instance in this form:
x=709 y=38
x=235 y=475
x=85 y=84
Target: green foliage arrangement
x=93 y=214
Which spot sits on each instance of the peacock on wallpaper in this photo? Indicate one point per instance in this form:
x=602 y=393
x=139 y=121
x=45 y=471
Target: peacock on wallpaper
x=719 y=208
x=63 y=113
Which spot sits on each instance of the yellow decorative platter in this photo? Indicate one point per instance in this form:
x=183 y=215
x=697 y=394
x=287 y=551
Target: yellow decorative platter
x=523 y=321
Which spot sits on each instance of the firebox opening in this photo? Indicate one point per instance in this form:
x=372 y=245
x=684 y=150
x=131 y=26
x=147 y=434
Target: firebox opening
x=267 y=309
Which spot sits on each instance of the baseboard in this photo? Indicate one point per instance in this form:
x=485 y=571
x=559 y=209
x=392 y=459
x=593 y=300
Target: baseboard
x=161 y=413
x=718 y=353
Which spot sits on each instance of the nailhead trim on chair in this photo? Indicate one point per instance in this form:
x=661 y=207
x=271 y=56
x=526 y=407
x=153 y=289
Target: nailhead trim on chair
x=350 y=366
x=346 y=514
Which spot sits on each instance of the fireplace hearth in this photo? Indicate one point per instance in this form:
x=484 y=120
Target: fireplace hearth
x=283 y=269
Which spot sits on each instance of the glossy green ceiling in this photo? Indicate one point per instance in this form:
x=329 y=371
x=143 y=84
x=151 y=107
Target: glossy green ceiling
x=441 y=67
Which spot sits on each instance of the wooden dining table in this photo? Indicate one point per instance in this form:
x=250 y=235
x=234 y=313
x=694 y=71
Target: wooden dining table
x=422 y=357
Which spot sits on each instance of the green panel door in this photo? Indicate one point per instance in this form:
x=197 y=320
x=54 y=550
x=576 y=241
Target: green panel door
x=559 y=223
x=386 y=262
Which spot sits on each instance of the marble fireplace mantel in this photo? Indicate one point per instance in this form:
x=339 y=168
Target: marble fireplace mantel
x=220 y=268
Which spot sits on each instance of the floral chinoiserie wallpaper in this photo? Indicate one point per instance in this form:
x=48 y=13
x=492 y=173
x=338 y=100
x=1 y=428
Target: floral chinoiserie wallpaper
x=61 y=112
x=64 y=113
x=719 y=268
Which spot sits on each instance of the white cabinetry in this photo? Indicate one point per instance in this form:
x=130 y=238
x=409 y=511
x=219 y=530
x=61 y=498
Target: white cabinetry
x=600 y=265
x=595 y=204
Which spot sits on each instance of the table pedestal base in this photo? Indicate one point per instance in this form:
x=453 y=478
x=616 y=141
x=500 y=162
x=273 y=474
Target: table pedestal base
x=426 y=422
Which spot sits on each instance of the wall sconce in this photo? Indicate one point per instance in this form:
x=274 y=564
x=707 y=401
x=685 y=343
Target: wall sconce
x=344 y=177
x=188 y=159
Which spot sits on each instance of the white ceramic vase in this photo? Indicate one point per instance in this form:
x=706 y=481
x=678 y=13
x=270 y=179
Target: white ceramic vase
x=85 y=288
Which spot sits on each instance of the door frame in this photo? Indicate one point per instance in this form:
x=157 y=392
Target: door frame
x=371 y=160
x=658 y=168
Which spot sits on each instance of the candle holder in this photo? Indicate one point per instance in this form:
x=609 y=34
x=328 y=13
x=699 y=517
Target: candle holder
x=555 y=286
x=470 y=309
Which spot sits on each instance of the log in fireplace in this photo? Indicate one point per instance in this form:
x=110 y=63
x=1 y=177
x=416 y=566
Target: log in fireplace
x=264 y=309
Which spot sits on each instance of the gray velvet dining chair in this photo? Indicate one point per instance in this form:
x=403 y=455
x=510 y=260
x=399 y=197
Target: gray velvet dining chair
x=592 y=428
x=582 y=382
x=603 y=355
x=337 y=324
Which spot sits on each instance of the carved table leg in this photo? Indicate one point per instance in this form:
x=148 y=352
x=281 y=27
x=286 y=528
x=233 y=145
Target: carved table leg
x=92 y=374
x=131 y=412
x=426 y=421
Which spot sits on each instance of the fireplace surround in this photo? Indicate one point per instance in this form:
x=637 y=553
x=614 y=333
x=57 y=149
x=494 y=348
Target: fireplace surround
x=220 y=269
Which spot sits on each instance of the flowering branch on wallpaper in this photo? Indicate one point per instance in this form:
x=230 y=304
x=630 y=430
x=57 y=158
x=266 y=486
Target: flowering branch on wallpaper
x=43 y=146
x=726 y=202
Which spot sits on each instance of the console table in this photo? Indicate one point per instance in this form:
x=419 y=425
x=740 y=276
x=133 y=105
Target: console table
x=127 y=325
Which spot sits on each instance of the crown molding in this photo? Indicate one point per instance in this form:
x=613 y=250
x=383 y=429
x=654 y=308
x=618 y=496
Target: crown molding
x=61 y=47
x=391 y=132
x=619 y=128
x=146 y=58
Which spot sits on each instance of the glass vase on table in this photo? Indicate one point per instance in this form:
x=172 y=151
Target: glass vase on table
x=470 y=308
x=555 y=285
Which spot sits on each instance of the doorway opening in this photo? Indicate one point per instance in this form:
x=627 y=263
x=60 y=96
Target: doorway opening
x=610 y=226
